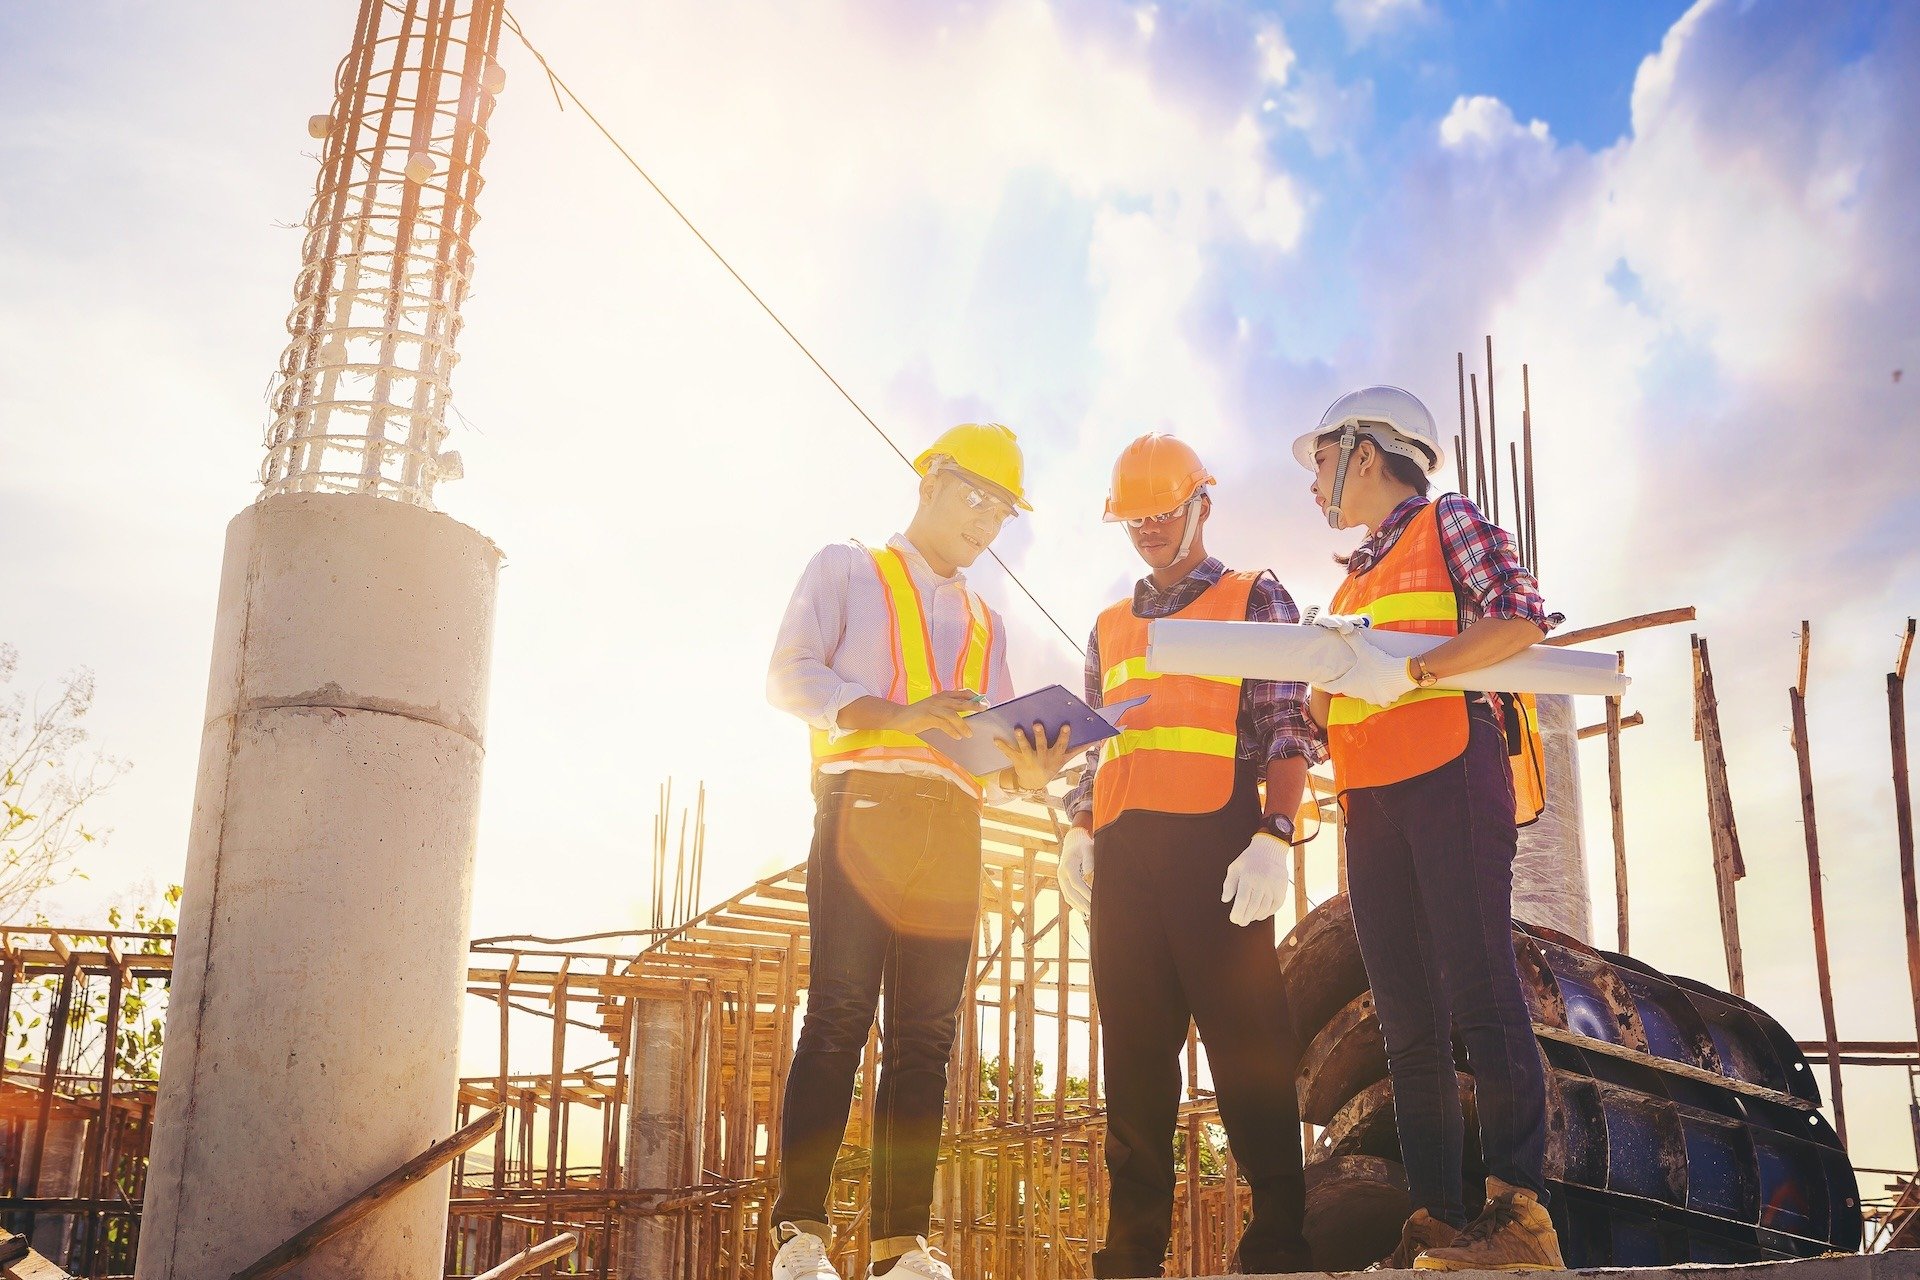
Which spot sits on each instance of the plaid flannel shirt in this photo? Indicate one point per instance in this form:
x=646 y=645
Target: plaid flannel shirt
x=1487 y=574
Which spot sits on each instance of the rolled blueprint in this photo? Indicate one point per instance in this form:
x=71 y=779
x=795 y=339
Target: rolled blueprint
x=1278 y=651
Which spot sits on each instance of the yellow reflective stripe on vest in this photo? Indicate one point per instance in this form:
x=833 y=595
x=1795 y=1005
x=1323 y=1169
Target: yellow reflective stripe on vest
x=916 y=658
x=1199 y=742
x=825 y=745
x=973 y=670
x=1352 y=710
x=1412 y=606
x=1136 y=669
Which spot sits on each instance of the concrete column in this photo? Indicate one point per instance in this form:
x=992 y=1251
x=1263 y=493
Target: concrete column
x=663 y=1128
x=1550 y=871
x=315 y=1015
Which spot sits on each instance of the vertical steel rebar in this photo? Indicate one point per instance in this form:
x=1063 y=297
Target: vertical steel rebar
x=1479 y=454
x=361 y=393
x=1526 y=457
x=1460 y=441
x=1493 y=438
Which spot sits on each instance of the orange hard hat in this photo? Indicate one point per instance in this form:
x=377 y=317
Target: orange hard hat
x=1153 y=475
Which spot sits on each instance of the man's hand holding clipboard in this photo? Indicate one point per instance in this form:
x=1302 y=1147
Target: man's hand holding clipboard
x=991 y=744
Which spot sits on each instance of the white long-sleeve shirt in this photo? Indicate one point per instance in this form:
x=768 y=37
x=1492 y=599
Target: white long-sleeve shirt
x=835 y=644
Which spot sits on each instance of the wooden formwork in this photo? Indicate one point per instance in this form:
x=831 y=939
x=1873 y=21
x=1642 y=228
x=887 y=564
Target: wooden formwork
x=1020 y=1189
x=1021 y=1165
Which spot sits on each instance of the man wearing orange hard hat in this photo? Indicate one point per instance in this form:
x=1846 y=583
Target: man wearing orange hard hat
x=1182 y=867
x=879 y=644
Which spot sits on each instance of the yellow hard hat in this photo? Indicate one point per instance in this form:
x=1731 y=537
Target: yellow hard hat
x=988 y=450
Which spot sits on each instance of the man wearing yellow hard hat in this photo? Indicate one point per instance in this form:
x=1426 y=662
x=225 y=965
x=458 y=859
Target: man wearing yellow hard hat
x=1183 y=867
x=877 y=645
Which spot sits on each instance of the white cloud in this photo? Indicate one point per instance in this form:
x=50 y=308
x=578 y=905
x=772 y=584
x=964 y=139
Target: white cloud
x=1366 y=19
x=1328 y=113
x=1277 y=57
x=1485 y=123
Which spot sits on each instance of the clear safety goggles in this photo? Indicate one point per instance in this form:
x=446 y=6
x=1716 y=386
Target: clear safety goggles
x=1135 y=522
x=990 y=505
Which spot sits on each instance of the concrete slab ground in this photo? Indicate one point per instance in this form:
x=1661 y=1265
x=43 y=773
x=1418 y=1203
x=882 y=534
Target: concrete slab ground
x=1897 y=1264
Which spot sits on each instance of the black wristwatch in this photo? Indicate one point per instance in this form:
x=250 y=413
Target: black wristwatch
x=1278 y=824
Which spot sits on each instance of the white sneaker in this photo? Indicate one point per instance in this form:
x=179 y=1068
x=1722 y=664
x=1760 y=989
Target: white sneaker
x=802 y=1256
x=923 y=1263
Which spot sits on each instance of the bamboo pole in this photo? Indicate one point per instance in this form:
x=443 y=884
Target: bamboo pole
x=1608 y=630
x=1903 y=820
x=377 y=1193
x=1300 y=906
x=533 y=1259
x=1586 y=731
x=1617 y=807
x=556 y=1172
x=1340 y=848
x=1728 y=865
x=495 y=1240
x=1797 y=698
x=1195 y=1263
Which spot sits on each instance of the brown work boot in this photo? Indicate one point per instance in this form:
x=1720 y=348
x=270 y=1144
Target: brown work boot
x=1422 y=1232
x=1513 y=1233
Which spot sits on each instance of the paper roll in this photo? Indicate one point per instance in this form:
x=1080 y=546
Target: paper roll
x=1278 y=651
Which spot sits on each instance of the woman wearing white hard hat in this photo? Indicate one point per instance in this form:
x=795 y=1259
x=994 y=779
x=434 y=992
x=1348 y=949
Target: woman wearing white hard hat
x=1430 y=825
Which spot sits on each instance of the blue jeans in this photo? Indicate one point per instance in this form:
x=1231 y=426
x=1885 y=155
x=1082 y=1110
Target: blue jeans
x=1430 y=874
x=893 y=893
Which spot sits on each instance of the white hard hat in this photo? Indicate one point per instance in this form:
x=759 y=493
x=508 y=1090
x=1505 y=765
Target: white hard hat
x=1409 y=428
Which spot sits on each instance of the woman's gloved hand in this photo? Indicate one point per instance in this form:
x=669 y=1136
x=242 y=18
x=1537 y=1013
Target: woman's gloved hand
x=1376 y=676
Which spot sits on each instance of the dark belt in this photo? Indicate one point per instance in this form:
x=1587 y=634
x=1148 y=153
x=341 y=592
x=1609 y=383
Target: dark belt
x=895 y=787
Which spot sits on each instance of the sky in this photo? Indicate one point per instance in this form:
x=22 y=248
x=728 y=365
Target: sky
x=1087 y=220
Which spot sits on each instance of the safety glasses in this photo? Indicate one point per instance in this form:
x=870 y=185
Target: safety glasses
x=1135 y=522
x=980 y=502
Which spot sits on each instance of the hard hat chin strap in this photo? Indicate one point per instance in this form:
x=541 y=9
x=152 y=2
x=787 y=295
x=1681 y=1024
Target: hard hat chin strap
x=1350 y=438
x=1193 y=525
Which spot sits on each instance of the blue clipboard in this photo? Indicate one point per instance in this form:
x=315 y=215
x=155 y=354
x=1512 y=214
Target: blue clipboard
x=1052 y=707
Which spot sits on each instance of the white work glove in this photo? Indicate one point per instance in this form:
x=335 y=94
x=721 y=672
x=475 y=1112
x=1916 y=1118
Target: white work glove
x=1343 y=623
x=1076 y=869
x=1258 y=880
x=1376 y=676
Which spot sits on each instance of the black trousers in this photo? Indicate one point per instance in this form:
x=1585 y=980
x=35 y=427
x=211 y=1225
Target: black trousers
x=1165 y=953
x=893 y=892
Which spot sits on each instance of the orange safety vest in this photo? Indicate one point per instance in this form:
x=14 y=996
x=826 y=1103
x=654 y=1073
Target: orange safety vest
x=1527 y=758
x=1410 y=589
x=1177 y=752
x=914 y=676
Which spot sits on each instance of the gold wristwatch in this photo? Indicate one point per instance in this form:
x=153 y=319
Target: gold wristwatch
x=1418 y=673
